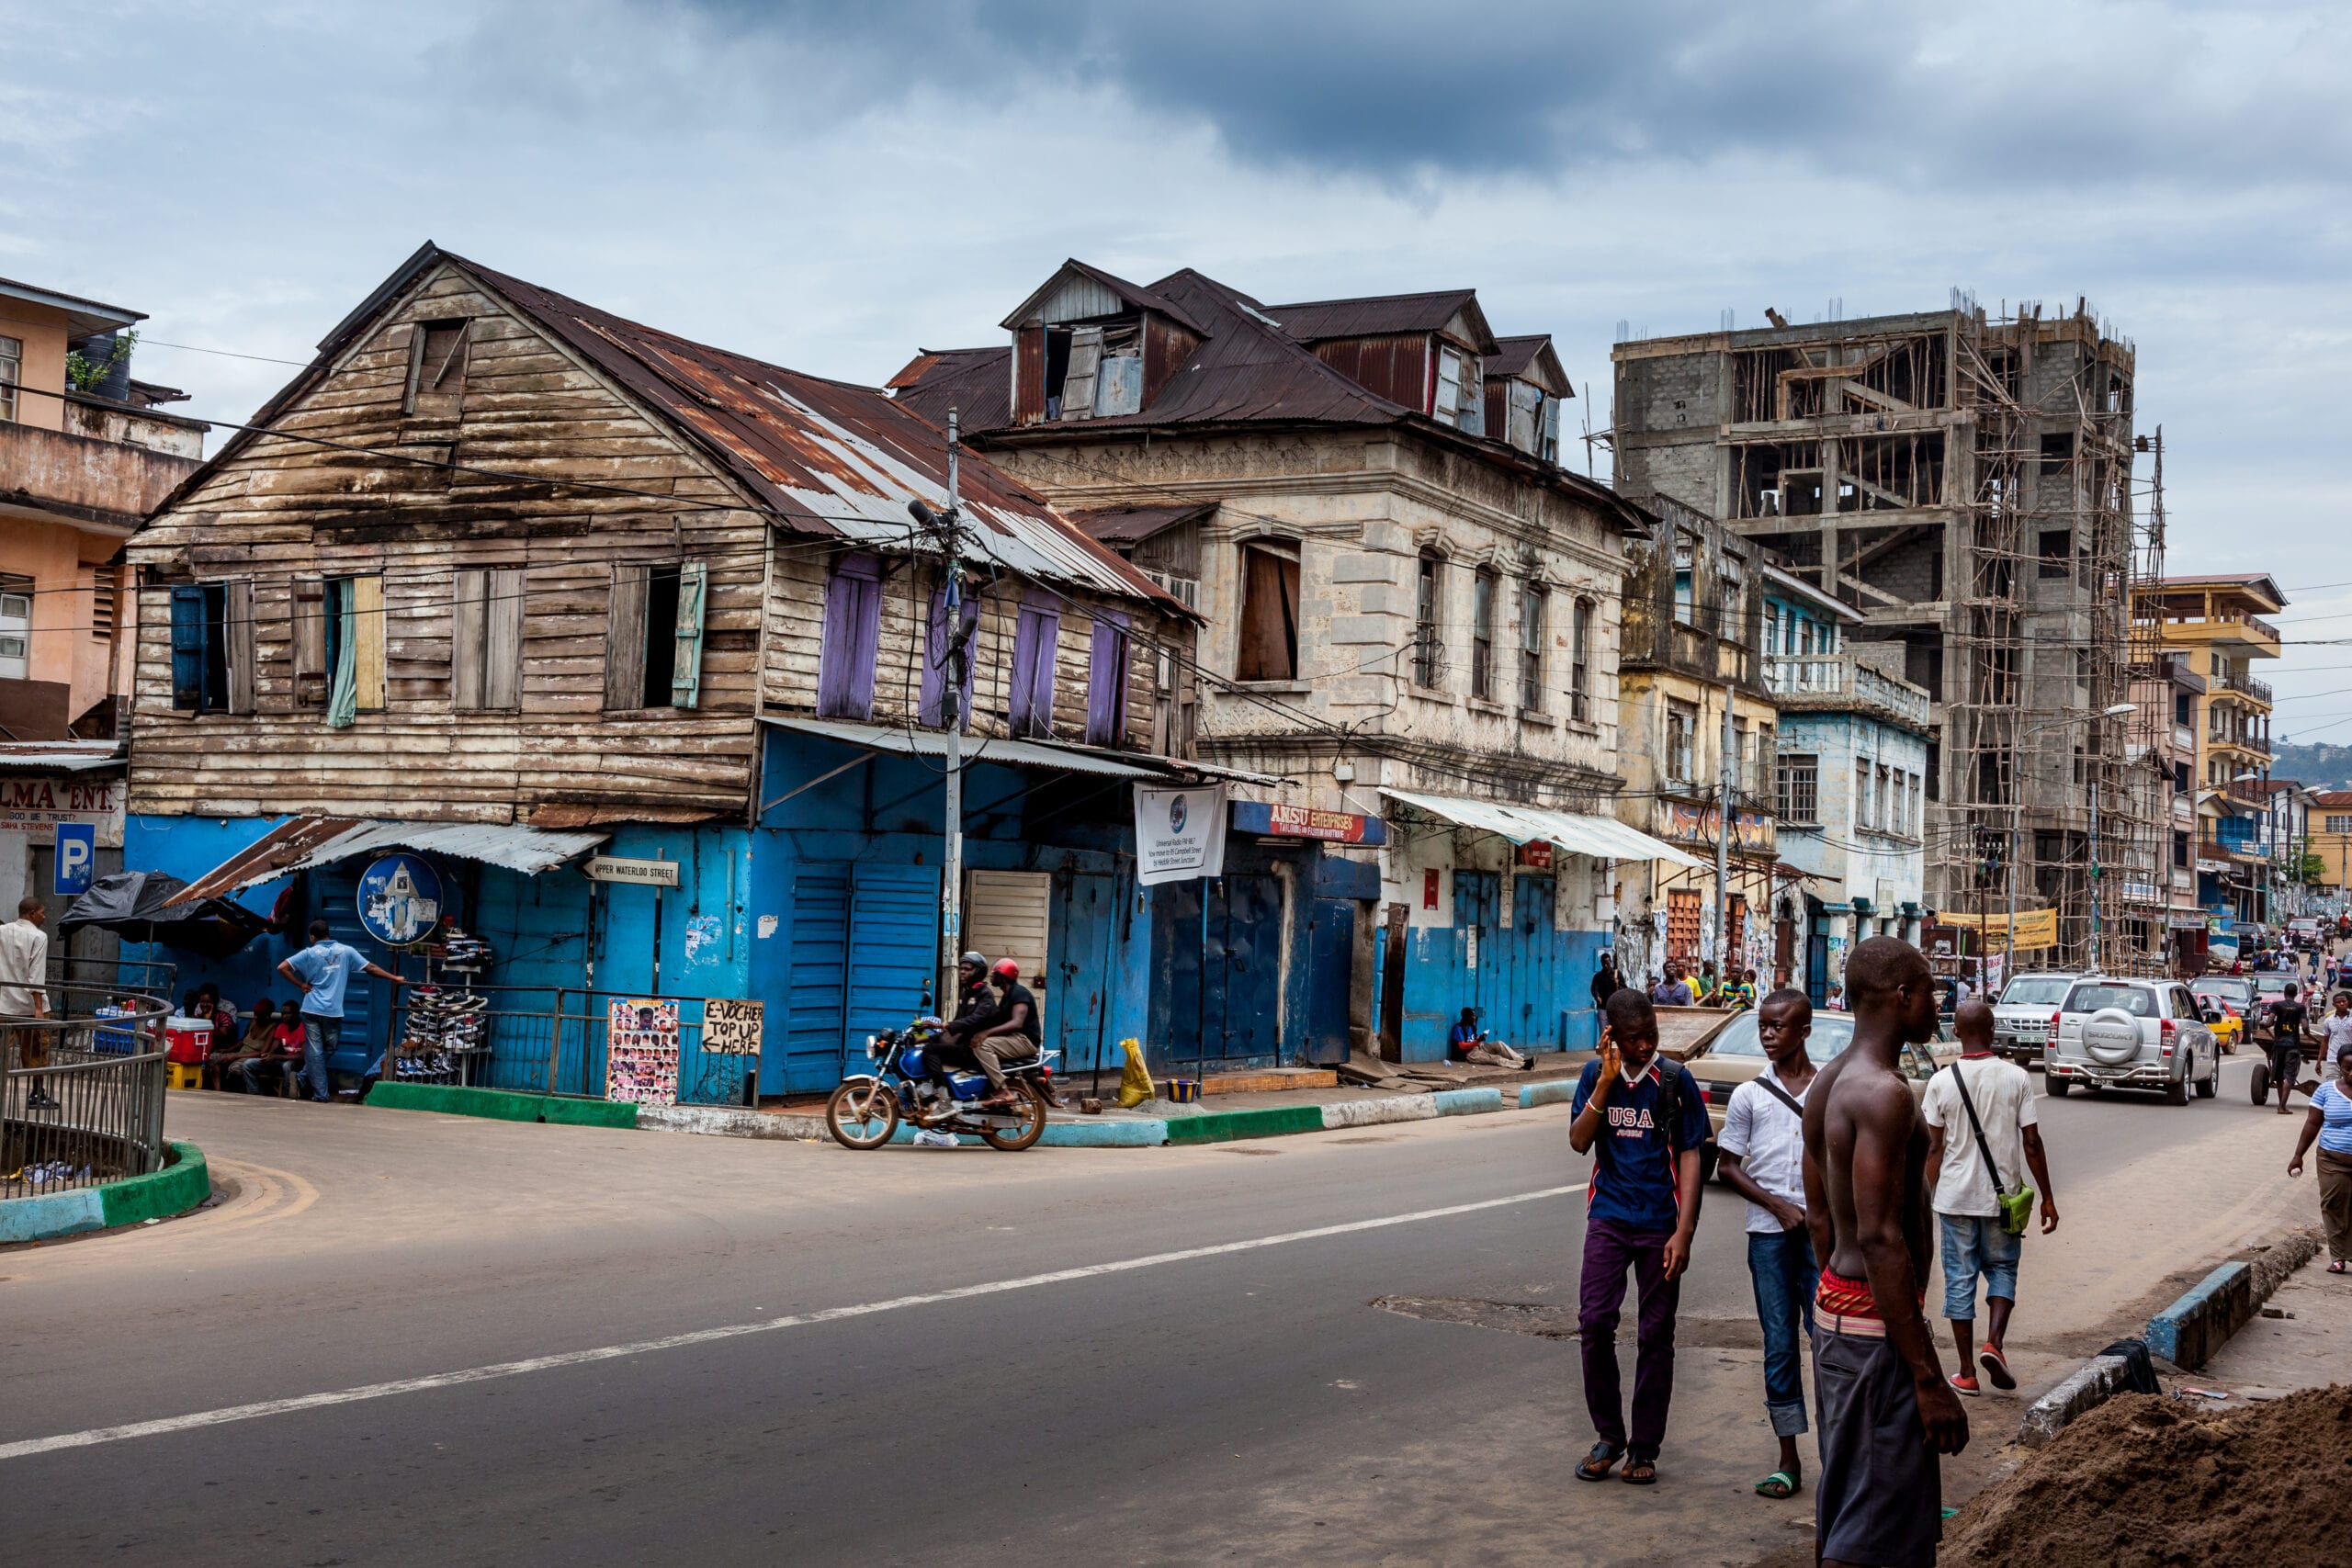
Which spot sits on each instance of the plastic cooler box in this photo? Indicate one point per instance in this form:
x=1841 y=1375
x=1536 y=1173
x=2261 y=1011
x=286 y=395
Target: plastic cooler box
x=116 y=1040
x=188 y=1040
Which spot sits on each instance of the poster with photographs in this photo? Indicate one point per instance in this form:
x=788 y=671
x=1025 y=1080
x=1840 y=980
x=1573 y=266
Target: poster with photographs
x=641 y=1053
x=730 y=1027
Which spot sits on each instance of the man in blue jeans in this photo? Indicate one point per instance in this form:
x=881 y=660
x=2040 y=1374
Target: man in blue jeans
x=1642 y=1118
x=324 y=972
x=1762 y=1149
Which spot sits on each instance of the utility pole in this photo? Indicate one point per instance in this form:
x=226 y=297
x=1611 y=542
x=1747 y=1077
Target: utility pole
x=950 y=703
x=1722 y=848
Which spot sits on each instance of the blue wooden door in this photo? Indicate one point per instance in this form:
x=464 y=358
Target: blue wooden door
x=1078 y=978
x=1539 y=1020
x=893 y=953
x=1242 y=969
x=1330 y=969
x=819 y=965
x=1482 y=961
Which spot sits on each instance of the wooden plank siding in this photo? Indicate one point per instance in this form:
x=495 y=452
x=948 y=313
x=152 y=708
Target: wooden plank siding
x=282 y=509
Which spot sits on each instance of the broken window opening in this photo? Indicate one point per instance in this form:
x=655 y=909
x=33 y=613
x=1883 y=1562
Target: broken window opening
x=1269 y=645
x=1429 y=653
x=2055 y=552
x=2057 y=451
x=1482 y=636
x=1533 y=633
x=436 y=369
x=1581 y=663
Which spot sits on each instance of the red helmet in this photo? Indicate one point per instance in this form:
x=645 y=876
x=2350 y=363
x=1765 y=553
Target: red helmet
x=1007 y=967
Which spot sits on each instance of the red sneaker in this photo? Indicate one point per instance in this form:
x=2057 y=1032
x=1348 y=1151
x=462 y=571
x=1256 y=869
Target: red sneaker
x=1964 y=1384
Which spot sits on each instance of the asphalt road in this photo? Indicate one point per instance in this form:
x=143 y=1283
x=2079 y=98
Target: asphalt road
x=1202 y=1400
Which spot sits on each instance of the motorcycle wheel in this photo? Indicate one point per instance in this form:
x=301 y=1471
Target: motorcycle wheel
x=861 y=1113
x=1031 y=1128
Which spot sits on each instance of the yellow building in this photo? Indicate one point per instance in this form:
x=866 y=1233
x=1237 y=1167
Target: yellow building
x=81 y=466
x=2214 y=622
x=2331 y=836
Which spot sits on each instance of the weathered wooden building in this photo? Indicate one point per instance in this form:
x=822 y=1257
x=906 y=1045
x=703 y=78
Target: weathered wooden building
x=523 y=578
x=1412 y=619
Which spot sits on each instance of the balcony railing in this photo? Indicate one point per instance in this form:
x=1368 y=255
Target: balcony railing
x=2246 y=686
x=1827 y=680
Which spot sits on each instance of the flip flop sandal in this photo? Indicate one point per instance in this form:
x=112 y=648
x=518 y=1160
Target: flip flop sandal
x=1996 y=1367
x=1605 y=1455
x=1778 y=1484
x=1640 y=1472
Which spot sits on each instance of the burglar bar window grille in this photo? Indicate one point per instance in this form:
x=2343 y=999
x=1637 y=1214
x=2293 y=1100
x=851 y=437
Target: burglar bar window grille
x=1797 y=797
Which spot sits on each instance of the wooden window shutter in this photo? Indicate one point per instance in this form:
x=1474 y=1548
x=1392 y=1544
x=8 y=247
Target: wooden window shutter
x=187 y=649
x=624 y=638
x=466 y=625
x=312 y=676
x=686 y=678
x=502 y=673
x=239 y=645
x=367 y=642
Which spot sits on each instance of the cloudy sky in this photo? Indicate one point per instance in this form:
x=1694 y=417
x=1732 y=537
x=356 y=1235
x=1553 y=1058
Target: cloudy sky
x=829 y=185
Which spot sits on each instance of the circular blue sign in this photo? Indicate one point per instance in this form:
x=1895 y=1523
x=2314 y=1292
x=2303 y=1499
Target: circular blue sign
x=1177 y=814
x=400 y=899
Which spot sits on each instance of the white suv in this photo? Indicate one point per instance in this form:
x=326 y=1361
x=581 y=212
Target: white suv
x=2117 y=1033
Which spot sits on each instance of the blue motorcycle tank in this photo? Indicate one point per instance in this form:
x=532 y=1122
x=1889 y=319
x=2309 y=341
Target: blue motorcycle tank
x=911 y=1063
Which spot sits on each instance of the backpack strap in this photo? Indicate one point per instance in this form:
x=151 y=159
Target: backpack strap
x=1783 y=1096
x=1982 y=1147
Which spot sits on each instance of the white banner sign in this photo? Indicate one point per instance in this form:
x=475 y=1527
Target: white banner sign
x=1179 y=833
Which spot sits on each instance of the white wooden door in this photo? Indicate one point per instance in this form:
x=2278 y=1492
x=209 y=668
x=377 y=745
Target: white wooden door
x=1006 y=916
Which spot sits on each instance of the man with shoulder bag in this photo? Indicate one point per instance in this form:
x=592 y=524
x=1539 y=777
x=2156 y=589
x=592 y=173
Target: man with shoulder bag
x=1982 y=1131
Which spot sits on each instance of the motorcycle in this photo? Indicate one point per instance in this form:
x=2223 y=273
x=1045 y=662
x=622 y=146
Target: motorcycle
x=865 y=1109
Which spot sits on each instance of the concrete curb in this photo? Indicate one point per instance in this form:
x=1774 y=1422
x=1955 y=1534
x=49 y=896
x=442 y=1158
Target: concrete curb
x=504 y=1105
x=180 y=1185
x=1558 y=1091
x=2198 y=1324
x=728 y=1122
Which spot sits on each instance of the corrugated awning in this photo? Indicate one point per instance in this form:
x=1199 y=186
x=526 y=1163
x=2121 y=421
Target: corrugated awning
x=1603 y=837
x=1016 y=754
x=59 y=756
x=319 y=840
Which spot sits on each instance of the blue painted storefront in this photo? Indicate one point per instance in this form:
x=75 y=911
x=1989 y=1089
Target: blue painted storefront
x=1530 y=983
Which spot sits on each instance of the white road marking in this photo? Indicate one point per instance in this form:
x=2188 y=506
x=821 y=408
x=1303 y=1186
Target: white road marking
x=97 y=1435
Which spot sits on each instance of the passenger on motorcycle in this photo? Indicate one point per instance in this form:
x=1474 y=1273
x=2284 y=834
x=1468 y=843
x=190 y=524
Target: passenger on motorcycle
x=1016 y=1037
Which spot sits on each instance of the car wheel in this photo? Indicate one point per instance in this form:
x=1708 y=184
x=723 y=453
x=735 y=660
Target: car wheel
x=2061 y=1087
x=2176 y=1091
x=2210 y=1084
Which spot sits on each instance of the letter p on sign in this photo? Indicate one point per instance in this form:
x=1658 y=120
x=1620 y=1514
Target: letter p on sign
x=77 y=852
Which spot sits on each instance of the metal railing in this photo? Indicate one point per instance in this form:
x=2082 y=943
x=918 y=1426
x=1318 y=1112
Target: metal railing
x=552 y=1040
x=82 y=1092
x=1843 y=675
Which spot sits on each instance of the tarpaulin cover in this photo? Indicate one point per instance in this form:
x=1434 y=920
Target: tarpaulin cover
x=131 y=904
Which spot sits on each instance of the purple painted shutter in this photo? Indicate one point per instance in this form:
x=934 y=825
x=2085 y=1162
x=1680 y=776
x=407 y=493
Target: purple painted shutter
x=1033 y=670
x=934 y=667
x=1106 y=683
x=853 y=630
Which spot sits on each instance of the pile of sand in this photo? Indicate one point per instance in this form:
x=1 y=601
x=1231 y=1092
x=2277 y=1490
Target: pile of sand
x=2147 y=1480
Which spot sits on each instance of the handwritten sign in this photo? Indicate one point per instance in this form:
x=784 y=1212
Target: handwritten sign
x=642 y=1052
x=730 y=1027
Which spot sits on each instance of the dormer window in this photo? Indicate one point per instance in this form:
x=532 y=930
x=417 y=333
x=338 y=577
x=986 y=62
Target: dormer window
x=1461 y=395
x=1095 y=371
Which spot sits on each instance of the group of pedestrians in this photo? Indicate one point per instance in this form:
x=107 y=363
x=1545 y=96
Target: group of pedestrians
x=1847 y=1175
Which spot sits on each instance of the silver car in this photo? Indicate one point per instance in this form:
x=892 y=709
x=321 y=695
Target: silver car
x=2117 y=1033
x=2021 y=1018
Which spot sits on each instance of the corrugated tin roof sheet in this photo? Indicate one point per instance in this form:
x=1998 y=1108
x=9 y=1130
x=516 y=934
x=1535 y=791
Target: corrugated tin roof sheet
x=831 y=457
x=59 y=756
x=1373 y=315
x=1531 y=359
x=307 y=841
x=934 y=743
x=1603 y=837
x=976 y=382
x=1141 y=298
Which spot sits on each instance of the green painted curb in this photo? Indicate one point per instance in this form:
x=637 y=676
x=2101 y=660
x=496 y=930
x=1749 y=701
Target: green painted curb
x=501 y=1105
x=1223 y=1126
x=178 y=1188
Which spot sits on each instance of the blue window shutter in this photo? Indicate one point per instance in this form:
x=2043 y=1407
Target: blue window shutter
x=686 y=682
x=187 y=649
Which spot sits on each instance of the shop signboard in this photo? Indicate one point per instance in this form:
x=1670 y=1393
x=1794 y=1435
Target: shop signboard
x=1278 y=821
x=642 y=1052
x=730 y=1026
x=624 y=868
x=1179 y=833
x=1535 y=856
x=400 y=898
x=1686 y=822
x=34 y=805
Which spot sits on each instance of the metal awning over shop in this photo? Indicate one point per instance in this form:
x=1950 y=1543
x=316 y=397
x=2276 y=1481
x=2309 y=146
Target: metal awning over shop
x=1602 y=837
x=1013 y=753
x=309 y=841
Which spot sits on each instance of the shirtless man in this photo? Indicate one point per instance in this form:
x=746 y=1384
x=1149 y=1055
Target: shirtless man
x=1884 y=1408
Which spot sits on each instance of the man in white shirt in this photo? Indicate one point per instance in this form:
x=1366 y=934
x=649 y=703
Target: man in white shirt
x=1966 y=1196
x=1762 y=1151
x=2336 y=1029
x=24 y=970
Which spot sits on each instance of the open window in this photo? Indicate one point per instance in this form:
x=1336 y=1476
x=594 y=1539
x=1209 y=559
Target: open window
x=1428 y=649
x=1106 y=683
x=653 y=636
x=436 y=369
x=1459 y=398
x=486 y=639
x=17 y=629
x=338 y=637
x=1682 y=723
x=1269 y=645
x=1581 y=663
x=1534 y=635
x=2055 y=553
x=213 y=647
x=1482 y=636
x=1036 y=638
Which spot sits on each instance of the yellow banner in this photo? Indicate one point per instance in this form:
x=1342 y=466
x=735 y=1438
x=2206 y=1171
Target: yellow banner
x=2036 y=927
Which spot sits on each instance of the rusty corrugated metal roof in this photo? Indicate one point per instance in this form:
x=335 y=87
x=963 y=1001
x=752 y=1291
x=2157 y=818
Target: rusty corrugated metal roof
x=975 y=382
x=60 y=756
x=1531 y=359
x=828 y=456
x=1375 y=315
x=1142 y=298
x=1127 y=525
x=307 y=841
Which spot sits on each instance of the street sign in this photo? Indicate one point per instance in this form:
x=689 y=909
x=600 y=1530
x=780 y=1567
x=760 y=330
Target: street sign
x=730 y=1027
x=77 y=853
x=644 y=873
x=400 y=899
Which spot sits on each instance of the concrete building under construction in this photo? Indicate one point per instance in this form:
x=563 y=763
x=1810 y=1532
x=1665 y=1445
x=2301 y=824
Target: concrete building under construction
x=1962 y=480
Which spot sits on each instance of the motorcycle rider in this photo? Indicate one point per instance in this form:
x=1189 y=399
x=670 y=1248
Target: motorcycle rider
x=1016 y=1037
x=976 y=1008
x=972 y=994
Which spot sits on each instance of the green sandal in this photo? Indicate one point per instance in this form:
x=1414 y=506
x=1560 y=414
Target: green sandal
x=1604 y=1456
x=1779 y=1485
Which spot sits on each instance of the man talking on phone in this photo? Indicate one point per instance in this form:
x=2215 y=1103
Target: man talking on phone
x=1641 y=1120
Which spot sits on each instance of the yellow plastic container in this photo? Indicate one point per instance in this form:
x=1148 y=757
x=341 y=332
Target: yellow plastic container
x=184 y=1075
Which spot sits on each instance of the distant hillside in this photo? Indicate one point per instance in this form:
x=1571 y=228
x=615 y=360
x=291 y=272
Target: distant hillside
x=2320 y=767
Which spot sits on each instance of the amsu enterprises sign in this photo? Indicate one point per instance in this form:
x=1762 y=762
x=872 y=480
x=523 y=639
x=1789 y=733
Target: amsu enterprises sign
x=1179 y=833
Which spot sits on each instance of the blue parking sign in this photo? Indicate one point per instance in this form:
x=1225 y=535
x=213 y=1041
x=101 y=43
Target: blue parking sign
x=77 y=854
